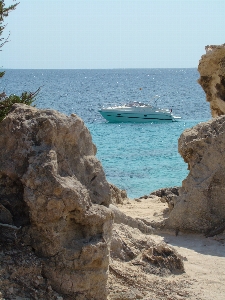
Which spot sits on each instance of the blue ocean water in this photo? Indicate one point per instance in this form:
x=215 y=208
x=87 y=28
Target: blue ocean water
x=139 y=158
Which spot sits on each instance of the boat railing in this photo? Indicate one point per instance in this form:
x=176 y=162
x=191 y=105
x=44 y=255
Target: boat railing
x=155 y=99
x=109 y=105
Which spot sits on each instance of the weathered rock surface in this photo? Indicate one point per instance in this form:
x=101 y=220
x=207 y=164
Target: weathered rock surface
x=167 y=195
x=121 y=218
x=200 y=206
x=118 y=196
x=141 y=268
x=212 y=78
x=130 y=244
x=21 y=269
x=54 y=189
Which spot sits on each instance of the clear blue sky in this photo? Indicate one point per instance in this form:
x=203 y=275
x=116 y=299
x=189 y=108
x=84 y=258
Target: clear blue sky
x=90 y=34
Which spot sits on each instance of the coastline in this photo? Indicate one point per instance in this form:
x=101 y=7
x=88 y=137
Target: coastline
x=67 y=233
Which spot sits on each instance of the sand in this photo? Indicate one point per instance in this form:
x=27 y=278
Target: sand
x=203 y=258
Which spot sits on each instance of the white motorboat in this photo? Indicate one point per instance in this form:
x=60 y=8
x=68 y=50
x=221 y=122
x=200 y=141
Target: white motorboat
x=137 y=112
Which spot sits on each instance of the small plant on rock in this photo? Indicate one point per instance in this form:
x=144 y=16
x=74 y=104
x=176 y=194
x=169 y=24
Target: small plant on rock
x=6 y=102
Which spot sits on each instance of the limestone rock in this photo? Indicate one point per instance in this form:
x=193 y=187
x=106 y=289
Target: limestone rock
x=163 y=256
x=56 y=191
x=127 y=242
x=121 y=218
x=118 y=196
x=168 y=195
x=131 y=245
x=212 y=78
x=200 y=205
x=21 y=270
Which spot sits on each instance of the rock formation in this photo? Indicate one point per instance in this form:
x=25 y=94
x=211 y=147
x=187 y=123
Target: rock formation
x=53 y=192
x=139 y=266
x=212 y=78
x=57 y=209
x=167 y=195
x=121 y=218
x=200 y=205
x=117 y=196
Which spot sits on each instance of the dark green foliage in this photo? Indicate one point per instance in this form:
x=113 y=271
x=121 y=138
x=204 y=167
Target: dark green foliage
x=6 y=102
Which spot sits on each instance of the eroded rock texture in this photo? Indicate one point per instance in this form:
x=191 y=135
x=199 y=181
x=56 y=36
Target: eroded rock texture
x=212 y=78
x=118 y=196
x=131 y=245
x=200 y=205
x=54 y=189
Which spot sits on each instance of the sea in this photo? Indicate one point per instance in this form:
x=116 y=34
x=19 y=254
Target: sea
x=139 y=158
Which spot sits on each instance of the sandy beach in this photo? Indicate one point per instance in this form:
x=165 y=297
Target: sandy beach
x=203 y=258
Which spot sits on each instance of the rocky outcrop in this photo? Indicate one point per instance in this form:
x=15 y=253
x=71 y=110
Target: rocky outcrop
x=21 y=270
x=121 y=218
x=129 y=244
x=200 y=205
x=138 y=263
x=53 y=189
x=118 y=196
x=167 y=195
x=212 y=78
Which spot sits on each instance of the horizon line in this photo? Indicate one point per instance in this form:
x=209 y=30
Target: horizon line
x=97 y=68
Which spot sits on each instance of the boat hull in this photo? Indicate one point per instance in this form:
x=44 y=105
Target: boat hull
x=121 y=116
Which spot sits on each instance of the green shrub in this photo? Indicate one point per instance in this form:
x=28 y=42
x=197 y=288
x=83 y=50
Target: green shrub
x=6 y=102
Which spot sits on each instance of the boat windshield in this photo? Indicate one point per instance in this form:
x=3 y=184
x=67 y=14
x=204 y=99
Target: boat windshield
x=135 y=104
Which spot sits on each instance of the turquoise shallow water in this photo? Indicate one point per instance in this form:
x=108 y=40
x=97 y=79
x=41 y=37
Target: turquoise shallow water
x=139 y=158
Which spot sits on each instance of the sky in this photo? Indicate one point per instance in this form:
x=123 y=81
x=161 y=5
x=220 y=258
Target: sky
x=108 y=34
